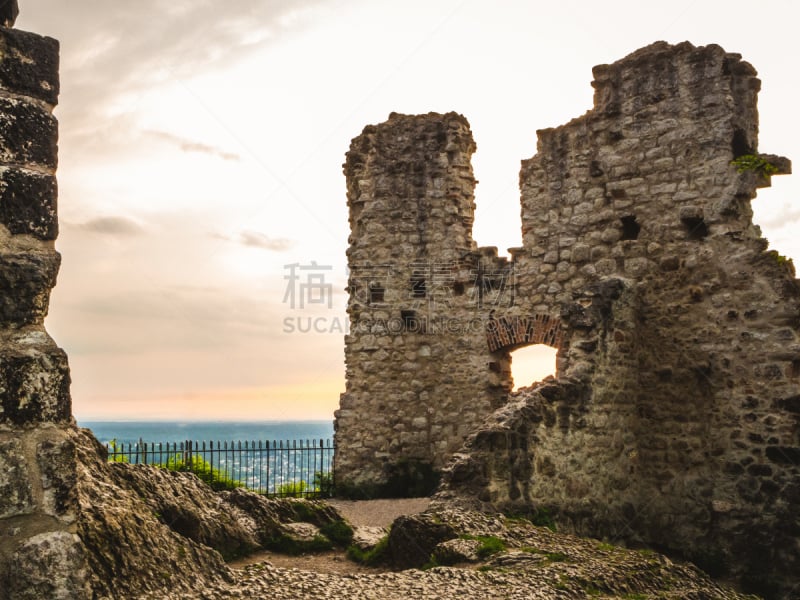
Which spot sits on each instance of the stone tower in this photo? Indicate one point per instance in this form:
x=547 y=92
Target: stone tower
x=419 y=374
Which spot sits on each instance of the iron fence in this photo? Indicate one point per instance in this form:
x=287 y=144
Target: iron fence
x=291 y=468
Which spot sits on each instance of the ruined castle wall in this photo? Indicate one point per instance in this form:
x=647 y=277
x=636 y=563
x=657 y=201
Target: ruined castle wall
x=675 y=416
x=40 y=554
x=419 y=374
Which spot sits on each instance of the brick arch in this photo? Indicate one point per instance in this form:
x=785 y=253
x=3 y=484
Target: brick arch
x=510 y=333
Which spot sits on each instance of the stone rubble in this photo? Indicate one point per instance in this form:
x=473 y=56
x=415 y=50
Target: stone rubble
x=541 y=564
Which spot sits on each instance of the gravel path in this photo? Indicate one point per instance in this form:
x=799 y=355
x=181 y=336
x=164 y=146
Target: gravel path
x=378 y=513
x=359 y=513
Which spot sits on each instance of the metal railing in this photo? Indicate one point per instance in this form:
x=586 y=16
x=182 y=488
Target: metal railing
x=291 y=468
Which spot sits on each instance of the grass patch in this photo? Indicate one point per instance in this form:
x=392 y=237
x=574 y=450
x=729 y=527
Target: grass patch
x=550 y=556
x=556 y=556
x=339 y=532
x=540 y=517
x=287 y=545
x=374 y=556
x=489 y=544
x=432 y=563
x=606 y=546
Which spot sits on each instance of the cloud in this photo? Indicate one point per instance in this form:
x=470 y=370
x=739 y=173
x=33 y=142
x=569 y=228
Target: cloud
x=785 y=218
x=259 y=240
x=112 y=51
x=121 y=226
x=192 y=146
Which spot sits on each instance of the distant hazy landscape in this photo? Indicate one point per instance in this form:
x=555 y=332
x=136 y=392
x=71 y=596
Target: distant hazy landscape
x=125 y=432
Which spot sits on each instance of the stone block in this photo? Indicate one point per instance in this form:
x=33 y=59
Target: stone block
x=28 y=203
x=50 y=565
x=25 y=283
x=16 y=495
x=34 y=388
x=29 y=65
x=58 y=469
x=28 y=134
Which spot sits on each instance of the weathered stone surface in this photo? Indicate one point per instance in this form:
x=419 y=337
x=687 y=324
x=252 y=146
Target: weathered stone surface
x=25 y=283
x=419 y=287
x=29 y=65
x=412 y=539
x=16 y=494
x=149 y=530
x=678 y=333
x=28 y=203
x=58 y=469
x=456 y=551
x=301 y=532
x=34 y=387
x=40 y=557
x=28 y=134
x=48 y=565
x=366 y=537
x=133 y=548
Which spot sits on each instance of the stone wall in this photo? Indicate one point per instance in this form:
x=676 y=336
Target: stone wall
x=40 y=554
x=674 y=418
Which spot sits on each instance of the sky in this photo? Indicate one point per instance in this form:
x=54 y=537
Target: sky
x=201 y=146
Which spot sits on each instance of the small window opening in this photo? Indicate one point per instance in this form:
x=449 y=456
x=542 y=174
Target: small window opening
x=376 y=292
x=532 y=364
x=410 y=321
x=739 y=144
x=630 y=228
x=458 y=288
x=696 y=227
x=417 y=286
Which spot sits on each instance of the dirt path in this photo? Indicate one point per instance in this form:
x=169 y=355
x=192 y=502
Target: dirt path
x=378 y=513
x=359 y=513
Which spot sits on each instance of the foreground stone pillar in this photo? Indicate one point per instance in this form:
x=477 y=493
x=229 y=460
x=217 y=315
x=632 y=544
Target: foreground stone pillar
x=40 y=554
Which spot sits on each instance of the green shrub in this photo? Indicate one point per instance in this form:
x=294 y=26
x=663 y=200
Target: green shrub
x=323 y=484
x=118 y=458
x=215 y=478
x=293 y=489
x=322 y=487
x=753 y=162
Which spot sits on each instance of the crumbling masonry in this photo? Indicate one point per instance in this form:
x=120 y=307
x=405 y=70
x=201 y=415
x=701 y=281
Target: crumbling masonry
x=674 y=419
x=40 y=554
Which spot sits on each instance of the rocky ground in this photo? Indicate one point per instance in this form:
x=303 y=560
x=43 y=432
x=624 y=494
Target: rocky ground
x=536 y=564
x=152 y=534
